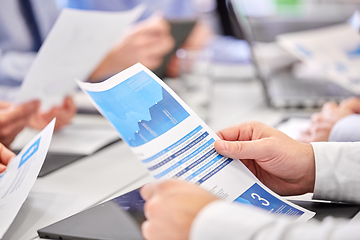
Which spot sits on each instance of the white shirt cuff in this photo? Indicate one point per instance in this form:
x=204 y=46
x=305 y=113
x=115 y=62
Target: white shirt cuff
x=337 y=171
x=220 y=219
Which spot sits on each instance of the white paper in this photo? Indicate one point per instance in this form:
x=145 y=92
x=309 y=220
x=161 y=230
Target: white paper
x=20 y=175
x=334 y=50
x=76 y=44
x=82 y=139
x=294 y=126
x=173 y=142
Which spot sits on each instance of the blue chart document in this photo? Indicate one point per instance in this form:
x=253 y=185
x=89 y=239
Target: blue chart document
x=173 y=142
x=144 y=109
x=20 y=176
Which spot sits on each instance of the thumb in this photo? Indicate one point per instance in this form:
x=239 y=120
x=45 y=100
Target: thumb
x=256 y=149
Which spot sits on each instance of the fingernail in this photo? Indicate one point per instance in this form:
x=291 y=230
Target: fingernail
x=223 y=145
x=2 y=168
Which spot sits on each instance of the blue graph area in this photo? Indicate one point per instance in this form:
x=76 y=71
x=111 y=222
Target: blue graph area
x=140 y=109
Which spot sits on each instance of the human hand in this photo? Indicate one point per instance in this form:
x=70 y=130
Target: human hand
x=197 y=40
x=322 y=122
x=63 y=115
x=148 y=42
x=171 y=207
x=281 y=163
x=14 y=118
x=5 y=156
x=352 y=104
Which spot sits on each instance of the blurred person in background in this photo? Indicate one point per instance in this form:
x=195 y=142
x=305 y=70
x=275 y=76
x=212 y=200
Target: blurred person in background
x=24 y=25
x=335 y=123
x=152 y=36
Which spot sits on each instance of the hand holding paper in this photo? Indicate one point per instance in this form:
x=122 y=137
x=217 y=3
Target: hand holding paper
x=281 y=163
x=20 y=175
x=5 y=156
x=147 y=42
x=63 y=115
x=174 y=143
x=14 y=118
x=75 y=46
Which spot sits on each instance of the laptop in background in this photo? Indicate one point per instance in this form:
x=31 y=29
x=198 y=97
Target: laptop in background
x=282 y=89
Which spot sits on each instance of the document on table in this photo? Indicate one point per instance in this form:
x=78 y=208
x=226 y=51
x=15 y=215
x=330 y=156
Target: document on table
x=76 y=44
x=20 y=175
x=293 y=126
x=334 y=50
x=173 y=142
x=84 y=139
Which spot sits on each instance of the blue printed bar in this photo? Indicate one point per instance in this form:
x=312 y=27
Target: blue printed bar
x=171 y=147
x=213 y=172
x=203 y=168
x=194 y=164
x=180 y=152
x=30 y=152
x=185 y=159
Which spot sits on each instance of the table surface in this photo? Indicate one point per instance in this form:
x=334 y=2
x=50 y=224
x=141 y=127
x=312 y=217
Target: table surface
x=115 y=170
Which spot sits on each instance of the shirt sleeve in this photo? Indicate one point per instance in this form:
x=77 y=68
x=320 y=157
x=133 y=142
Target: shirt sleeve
x=337 y=171
x=337 y=178
x=232 y=221
x=346 y=129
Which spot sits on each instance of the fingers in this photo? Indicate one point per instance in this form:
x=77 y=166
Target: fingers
x=256 y=149
x=8 y=133
x=4 y=104
x=147 y=191
x=352 y=104
x=5 y=156
x=14 y=113
x=63 y=114
x=247 y=131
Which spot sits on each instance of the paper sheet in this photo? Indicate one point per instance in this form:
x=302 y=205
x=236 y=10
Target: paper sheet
x=173 y=142
x=82 y=139
x=333 y=50
x=20 y=175
x=76 y=44
x=293 y=126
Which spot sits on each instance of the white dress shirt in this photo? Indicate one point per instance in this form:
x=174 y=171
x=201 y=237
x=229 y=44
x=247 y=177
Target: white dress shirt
x=346 y=129
x=16 y=53
x=337 y=178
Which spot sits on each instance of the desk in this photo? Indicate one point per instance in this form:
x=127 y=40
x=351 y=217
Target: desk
x=74 y=188
x=115 y=170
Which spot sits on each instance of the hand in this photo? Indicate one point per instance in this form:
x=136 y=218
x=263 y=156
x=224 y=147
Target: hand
x=14 y=118
x=197 y=40
x=281 y=163
x=171 y=207
x=322 y=122
x=5 y=156
x=352 y=104
x=63 y=115
x=148 y=42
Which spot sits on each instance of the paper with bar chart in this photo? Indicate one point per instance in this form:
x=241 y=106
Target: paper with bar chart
x=173 y=142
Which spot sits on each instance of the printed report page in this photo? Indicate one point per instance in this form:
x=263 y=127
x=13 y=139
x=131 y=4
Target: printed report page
x=20 y=175
x=173 y=142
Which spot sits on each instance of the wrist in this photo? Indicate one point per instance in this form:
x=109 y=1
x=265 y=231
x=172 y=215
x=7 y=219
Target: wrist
x=310 y=172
